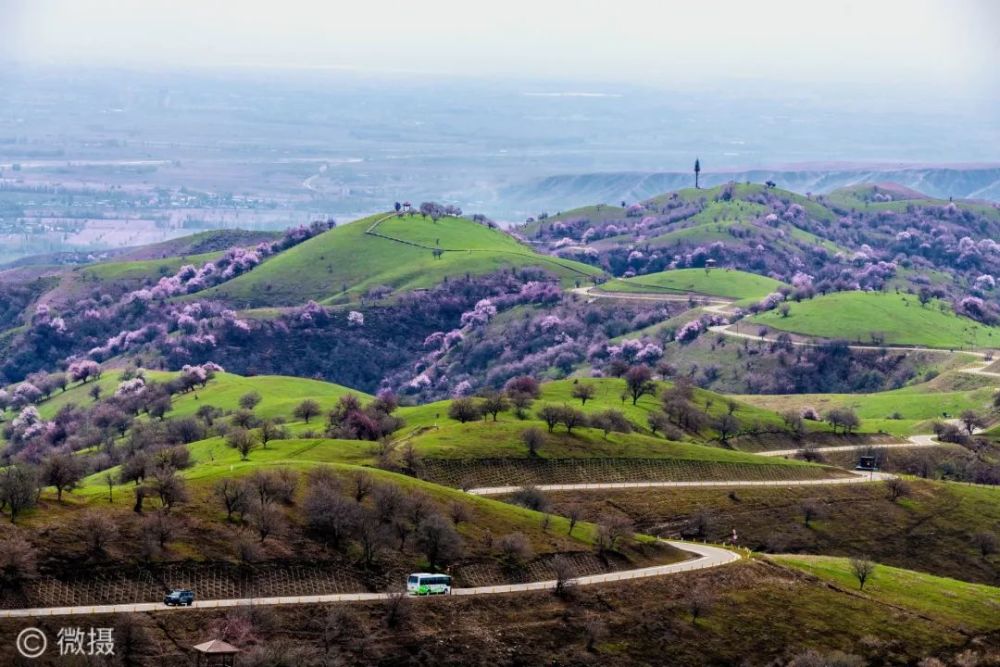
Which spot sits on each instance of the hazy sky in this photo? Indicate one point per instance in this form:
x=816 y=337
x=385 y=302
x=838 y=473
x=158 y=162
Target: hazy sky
x=930 y=43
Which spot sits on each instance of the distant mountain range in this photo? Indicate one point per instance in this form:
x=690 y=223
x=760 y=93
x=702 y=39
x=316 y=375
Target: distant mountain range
x=566 y=191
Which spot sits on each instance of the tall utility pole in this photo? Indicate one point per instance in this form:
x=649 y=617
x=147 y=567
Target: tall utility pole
x=697 y=170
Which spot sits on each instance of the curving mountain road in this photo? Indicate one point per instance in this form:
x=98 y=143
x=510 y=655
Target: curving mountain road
x=913 y=441
x=706 y=556
x=856 y=477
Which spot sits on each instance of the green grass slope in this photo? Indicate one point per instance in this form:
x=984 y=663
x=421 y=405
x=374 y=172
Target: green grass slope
x=901 y=412
x=727 y=283
x=854 y=316
x=940 y=517
x=951 y=602
x=280 y=394
x=342 y=264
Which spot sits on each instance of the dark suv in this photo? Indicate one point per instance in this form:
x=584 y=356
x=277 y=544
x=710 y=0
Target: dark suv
x=175 y=598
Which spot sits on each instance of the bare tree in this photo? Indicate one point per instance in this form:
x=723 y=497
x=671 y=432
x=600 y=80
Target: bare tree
x=96 y=532
x=515 y=550
x=896 y=488
x=794 y=422
x=639 y=382
x=862 y=568
x=551 y=415
x=611 y=420
x=459 y=512
x=533 y=439
x=109 y=479
x=464 y=410
x=250 y=400
x=699 y=602
x=522 y=403
x=986 y=542
x=330 y=515
x=971 y=420
x=18 y=561
x=372 y=536
x=574 y=514
x=63 y=471
x=160 y=528
x=234 y=496
x=493 y=403
x=572 y=418
x=362 y=484
x=612 y=533
x=18 y=489
x=389 y=502
x=594 y=631
x=565 y=572
x=811 y=509
x=531 y=497
x=267 y=519
x=584 y=391
x=306 y=410
x=170 y=487
x=727 y=426
x=438 y=540
x=242 y=441
x=397 y=610
x=269 y=430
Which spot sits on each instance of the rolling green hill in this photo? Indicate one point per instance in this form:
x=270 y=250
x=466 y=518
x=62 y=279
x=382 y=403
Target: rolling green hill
x=279 y=394
x=342 y=264
x=950 y=601
x=727 y=283
x=900 y=318
x=902 y=412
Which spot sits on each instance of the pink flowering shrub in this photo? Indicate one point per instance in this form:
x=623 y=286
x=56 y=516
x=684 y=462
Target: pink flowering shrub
x=480 y=315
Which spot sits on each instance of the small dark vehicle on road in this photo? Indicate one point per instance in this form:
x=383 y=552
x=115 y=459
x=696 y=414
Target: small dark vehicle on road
x=178 y=598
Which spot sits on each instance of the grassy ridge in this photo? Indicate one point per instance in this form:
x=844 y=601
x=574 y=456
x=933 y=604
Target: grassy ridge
x=899 y=317
x=953 y=602
x=728 y=283
x=280 y=394
x=146 y=269
x=608 y=396
x=345 y=262
x=916 y=406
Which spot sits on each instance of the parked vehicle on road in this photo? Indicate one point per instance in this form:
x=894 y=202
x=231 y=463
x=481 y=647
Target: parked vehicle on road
x=427 y=583
x=178 y=598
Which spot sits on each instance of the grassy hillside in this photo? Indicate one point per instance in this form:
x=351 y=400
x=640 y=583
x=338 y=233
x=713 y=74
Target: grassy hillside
x=345 y=262
x=929 y=530
x=728 y=283
x=195 y=244
x=854 y=316
x=608 y=395
x=951 y=602
x=141 y=270
x=280 y=394
x=901 y=412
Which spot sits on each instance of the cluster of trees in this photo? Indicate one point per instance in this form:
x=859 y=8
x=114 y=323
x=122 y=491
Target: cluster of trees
x=353 y=515
x=779 y=367
x=956 y=240
x=553 y=342
x=350 y=421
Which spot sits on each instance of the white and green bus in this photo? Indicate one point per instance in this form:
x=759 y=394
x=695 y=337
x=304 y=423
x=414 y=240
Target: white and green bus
x=426 y=583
